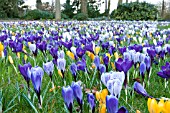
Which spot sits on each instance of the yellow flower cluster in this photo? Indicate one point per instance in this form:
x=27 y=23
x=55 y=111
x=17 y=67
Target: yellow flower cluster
x=101 y=97
x=1 y=49
x=160 y=107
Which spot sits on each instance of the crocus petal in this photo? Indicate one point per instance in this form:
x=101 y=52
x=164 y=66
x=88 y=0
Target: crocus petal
x=122 y=110
x=111 y=104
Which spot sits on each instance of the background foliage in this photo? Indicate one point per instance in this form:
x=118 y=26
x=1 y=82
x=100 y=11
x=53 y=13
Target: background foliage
x=135 y=11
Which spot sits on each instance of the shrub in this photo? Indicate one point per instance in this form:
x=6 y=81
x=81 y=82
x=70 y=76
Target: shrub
x=38 y=14
x=80 y=16
x=135 y=11
x=64 y=16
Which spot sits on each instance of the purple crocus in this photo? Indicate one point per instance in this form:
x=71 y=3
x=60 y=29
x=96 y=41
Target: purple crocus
x=165 y=71
x=147 y=61
x=61 y=64
x=97 y=61
x=122 y=110
x=42 y=46
x=91 y=101
x=73 y=69
x=122 y=50
x=25 y=73
x=78 y=95
x=111 y=104
x=81 y=65
x=49 y=68
x=142 y=69
x=140 y=89
x=36 y=77
x=123 y=65
x=80 y=52
x=106 y=61
x=102 y=69
x=53 y=52
x=67 y=93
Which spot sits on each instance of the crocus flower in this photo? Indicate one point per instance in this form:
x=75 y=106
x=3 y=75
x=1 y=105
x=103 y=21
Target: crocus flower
x=49 y=68
x=111 y=104
x=61 y=64
x=77 y=91
x=114 y=86
x=25 y=73
x=123 y=65
x=33 y=48
x=53 y=52
x=102 y=68
x=140 y=89
x=142 y=69
x=73 y=69
x=81 y=65
x=61 y=54
x=106 y=61
x=165 y=71
x=42 y=46
x=148 y=63
x=122 y=110
x=122 y=50
x=91 y=101
x=67 y=94
x=80 y=52
x=36 y=77
x=160 y=107
x=97 y=61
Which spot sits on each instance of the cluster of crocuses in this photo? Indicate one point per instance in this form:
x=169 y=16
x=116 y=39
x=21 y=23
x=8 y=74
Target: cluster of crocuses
x=102 y=42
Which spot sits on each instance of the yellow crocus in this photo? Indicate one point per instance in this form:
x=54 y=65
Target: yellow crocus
x=92 y=56
x=152 y=105
x=137 y=111
x=18 y=55
x=1 y=47
x=59 y=72
x=167 y=106
x=10 y=60
x=113 y=66
x=161 y=106
x=25 y=57
x=70 y=54
x=97 y=49
x=103 y=95
x=102 y=108
x=93 y=66
x=116 y=55
x=29 y=43
x=108 y=54
x=97 y=94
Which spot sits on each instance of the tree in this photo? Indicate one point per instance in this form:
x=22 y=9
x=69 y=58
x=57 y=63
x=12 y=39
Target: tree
x=126 y=1
x=84 y=7
x=68 y=9
x=10 y=8
x=58 y=10
x=120 y=2
x=38 y=4
x=163 y=8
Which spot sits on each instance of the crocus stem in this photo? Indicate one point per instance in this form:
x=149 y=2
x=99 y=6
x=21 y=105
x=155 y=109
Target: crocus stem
x=39 y=102
x=126 y=91
x=81 y=108
x=93 y=110
x=15 y=69
x=28 y=84
x=75 y=78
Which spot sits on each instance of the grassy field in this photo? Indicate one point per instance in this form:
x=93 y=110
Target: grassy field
x=13 y=87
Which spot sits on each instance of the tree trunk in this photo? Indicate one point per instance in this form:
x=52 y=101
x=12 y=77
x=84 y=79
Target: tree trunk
x=58 y=10
x=120 y=2
x=163 y=8
x=137 y=0
x=108 y=7
x=84 y=6
x=105 y=5
x=126 y=1
x=38 y=4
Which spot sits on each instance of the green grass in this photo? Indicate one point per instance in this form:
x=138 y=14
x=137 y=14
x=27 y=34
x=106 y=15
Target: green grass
x=13 y=88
